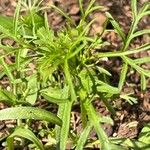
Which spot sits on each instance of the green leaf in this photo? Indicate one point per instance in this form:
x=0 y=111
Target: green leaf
x=69 y=81
x=89 y=9
x=145 y=135
x=38 y=20
x=106 y=88
x=7 y=70
x=134 y=8
x=16 y=17
x=139 y=33
x=81 y=7
x=105 y=119
x=23 y=133
x=80 y=48
x=144 y=10
x=132 y=100
x=116 y=26
x=136 y=67
x=143 y=82
x=94 y=120
x=55 y=95
x=66 y=112
x=144 y=47
x=102 y=70
x=122 y=76
x=7 y=97
x=61 y=114
x=6 y=22
x=142 y=60
x=32 y=87
x=130 y=143
x=63 y=14
x=29 y=113
x=83 y=136
x=86 y=80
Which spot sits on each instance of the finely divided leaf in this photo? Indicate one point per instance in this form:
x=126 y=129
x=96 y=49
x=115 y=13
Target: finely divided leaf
x=116 y=26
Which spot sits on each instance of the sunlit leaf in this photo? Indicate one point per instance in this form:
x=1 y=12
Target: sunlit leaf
x=29 y=113
x=23 y=133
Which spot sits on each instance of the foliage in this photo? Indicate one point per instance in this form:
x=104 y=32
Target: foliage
x=66 y=72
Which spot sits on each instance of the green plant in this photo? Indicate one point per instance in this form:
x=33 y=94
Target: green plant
x=66 y=72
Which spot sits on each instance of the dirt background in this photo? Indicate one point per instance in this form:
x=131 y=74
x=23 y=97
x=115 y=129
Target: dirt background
x=129 y=119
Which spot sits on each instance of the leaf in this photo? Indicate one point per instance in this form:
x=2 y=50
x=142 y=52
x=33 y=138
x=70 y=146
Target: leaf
x=23 y=133
x=105 y=119
x=130 y=143
x=6 y=22
x=7 y=96
x=28 y=20
x=16 y=17
x=139 y=33
x=102 y=70
x=122 y=76
x=80 y=48
x=55 y=95
x=128 y=98
x=116 y=26
x=106 y=102
x=63 y=14
x=66 y=112
x=69 y=81
x=7 y=32
x=143 y=82
x=83 y=136
x=136 y=67
x=106 y=88
x=94 y=120
x=144 y=10
x=145 y=135
x=134 y=8
x=86 y=80
x=29 y=113
x=81 y=7
x=142 y=60
x=61 y=114
x=89 y=9
x=32 y=87
x=144 y=47
x=7 y=70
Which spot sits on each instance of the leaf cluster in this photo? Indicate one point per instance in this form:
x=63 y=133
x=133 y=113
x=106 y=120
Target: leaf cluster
x=65 y=71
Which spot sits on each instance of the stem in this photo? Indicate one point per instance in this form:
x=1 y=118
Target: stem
x=129 y=37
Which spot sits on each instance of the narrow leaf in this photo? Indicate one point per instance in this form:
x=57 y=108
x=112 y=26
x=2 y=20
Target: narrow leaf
x=69 y=81
x=6 y=22
x=139 y=33
x=116 y=26
x=83 y=136
x=32 y=87
x=7 y=70
x=29 y=113
x=142 y=60
x=136 y=67
x=134 y=8
x=23 y=133
x=143 y=82
x=122 y=76
x=94 y=119
x=65 y=125
x=63 y=14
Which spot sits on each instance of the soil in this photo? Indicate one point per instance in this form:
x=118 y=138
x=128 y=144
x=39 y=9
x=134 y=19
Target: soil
x=129 y=119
